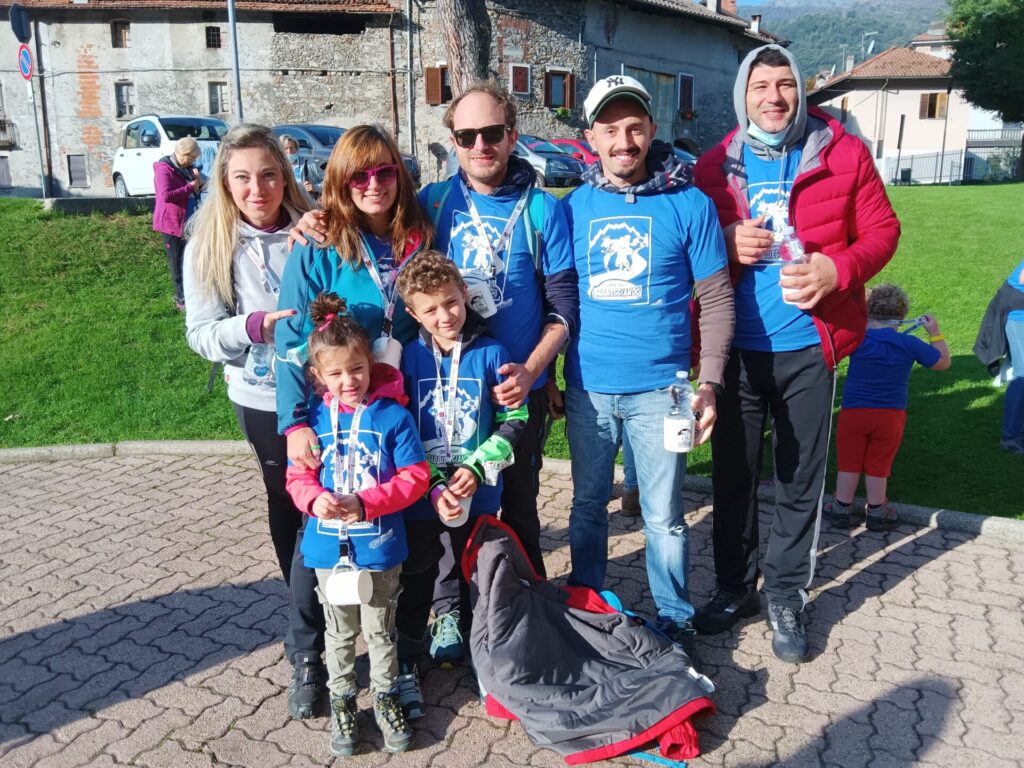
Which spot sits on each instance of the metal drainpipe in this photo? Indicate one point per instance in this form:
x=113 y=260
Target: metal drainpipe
x=392 y=84
x=41 y=71
x=410 y=96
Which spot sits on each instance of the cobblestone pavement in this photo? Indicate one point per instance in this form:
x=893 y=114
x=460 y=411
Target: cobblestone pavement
x=142 y=617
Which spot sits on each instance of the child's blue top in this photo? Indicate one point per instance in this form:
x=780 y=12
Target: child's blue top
x=387 y=441
x=637 y=263
x=879 y=375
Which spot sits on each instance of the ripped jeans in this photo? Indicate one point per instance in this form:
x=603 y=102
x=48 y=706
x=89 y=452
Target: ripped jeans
x=596 y=423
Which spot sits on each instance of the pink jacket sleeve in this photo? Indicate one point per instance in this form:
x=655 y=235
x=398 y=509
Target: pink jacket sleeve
x=874 y=228
x=408 y=486
x=303 y=485
x=170 y=187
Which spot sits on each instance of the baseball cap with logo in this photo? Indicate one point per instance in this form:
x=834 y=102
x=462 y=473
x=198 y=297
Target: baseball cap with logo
x=614 y=87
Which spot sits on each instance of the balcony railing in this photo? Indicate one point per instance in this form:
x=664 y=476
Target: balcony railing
x=997 y=137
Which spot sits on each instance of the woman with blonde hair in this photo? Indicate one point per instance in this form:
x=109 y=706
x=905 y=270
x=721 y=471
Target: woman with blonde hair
x=235 y=257
x=176 y=184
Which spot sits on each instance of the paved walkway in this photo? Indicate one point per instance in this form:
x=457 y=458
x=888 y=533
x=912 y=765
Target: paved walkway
x=141 y=622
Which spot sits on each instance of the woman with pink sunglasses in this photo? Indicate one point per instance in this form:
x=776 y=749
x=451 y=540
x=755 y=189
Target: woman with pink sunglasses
x=373 y=224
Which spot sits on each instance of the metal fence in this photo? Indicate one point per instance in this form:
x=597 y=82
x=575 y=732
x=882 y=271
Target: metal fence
x=977 y=164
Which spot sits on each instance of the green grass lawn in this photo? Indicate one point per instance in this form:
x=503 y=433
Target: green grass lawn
x=94 y=350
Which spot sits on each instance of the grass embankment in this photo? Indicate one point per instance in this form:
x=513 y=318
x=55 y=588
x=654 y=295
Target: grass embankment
x=94 y=350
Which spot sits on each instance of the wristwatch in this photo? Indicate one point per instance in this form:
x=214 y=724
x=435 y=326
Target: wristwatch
x=716 y=388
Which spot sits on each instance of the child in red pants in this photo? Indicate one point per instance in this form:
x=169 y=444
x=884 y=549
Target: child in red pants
x=875 y=406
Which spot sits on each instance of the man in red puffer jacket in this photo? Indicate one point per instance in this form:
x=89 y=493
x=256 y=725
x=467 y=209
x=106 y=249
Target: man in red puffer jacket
x=785 y=169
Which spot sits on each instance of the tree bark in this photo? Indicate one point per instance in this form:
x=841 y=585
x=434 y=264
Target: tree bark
x=467 y=39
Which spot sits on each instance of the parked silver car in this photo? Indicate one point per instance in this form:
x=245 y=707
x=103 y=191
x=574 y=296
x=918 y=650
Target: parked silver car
x=318 y=141
x=146 y=139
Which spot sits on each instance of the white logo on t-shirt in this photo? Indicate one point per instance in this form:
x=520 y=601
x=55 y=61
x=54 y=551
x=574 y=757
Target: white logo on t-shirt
x=467 y=409
x=468 y=248
x=619 y=259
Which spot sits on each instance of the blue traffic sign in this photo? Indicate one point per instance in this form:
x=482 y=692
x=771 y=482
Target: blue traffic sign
x=25 y=61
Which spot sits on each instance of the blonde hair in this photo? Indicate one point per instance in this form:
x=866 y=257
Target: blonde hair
x=186 y=148
x=213 y=230
x=359 y=148
x=888 y=302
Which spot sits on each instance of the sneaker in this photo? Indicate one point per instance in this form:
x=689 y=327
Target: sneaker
x=446 y=646
x=1013 y=445
x=885 y=518
x=724 y=610
x=344 y=725
x=789 y=638
x=308 y=687
x=631 y=502
x=685 y=636
x=407 y=687
x=843 y=515
x=388 y=713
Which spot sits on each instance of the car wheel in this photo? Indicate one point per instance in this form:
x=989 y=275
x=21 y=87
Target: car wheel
x=120 y=188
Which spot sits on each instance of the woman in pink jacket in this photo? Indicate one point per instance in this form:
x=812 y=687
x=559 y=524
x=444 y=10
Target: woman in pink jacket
x=177 y=186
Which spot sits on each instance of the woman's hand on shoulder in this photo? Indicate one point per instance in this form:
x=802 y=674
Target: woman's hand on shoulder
x=312 y=224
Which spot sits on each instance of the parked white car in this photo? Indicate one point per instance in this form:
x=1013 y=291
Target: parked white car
x=146 y=139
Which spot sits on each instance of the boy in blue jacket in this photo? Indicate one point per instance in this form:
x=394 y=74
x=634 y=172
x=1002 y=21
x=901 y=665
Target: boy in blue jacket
x=468 y=439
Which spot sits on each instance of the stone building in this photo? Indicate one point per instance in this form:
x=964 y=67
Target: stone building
x=101 y=62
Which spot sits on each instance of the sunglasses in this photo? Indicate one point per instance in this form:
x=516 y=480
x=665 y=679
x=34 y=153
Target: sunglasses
x=492 y=134
x=386 y=174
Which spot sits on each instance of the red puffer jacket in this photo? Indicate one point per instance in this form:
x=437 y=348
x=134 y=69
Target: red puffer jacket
x=838 y=206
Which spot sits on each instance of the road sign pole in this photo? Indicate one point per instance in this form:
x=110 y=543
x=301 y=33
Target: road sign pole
x=39 y=138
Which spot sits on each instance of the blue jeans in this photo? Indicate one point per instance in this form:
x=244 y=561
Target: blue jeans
x=628 y=465
x=596 y=424
x=1013 y=404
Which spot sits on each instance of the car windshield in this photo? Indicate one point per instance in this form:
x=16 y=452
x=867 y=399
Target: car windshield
x=547 y=146
x=201 y=128
x=325 y=134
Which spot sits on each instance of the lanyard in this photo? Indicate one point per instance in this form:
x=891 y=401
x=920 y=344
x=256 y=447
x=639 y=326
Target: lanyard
x=495 y=249
x=351 y=448
x=389 y=292
x=267 y=277
x=446 y=406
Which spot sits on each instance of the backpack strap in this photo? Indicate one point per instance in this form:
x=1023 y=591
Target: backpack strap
x=535 y=220
x=437 y=195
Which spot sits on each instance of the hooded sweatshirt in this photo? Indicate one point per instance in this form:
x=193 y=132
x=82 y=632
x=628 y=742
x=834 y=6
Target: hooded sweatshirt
x=390 y=471
x=527 y=296
x=484 y=435
x=639 y=250
x=224 y=334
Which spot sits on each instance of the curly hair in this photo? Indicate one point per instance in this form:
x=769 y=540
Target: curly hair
x=888 y=302
x=427 y=272
x=334 y=327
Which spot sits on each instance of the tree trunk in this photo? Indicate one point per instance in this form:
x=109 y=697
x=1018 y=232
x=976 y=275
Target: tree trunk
x=467 y=39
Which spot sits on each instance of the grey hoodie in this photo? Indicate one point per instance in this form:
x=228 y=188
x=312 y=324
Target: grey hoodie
x=217 y=332
x=796 y=129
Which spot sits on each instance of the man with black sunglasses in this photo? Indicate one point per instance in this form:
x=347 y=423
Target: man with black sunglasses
x=511 y=243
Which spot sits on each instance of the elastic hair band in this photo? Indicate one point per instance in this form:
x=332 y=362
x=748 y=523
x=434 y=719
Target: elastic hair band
x=328 y=318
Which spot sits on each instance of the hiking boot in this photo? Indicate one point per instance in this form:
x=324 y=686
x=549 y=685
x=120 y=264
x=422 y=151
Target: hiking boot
x=843 y=515
x=407 y=687
x=388 y=714
x=789 y=638
x=724 y=610
x=885 y=518
x=685 y=636
x=446 y=646
x=308 y=687
x=344 y=725
x=630 y=502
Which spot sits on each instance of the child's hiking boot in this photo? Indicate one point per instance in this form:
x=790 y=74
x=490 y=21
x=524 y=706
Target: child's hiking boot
x=446 y=646
x=344 y=725
x=723 y=610
x=843 y=515
x=683 y=635
x=388 y=713
x=789 y=637
x=308 y=687
x=882 y=518
x=407 y=686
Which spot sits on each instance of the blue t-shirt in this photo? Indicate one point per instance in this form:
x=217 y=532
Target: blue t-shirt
x=475 y=422
x=879 y=374
x=637 y=263
x=764 y=322
x=514 y=286
x=1016 y=278
x=387 y=442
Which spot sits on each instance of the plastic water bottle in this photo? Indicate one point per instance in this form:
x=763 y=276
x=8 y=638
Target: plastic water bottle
x=259 y=367
x=679 y=423
x=791 y=251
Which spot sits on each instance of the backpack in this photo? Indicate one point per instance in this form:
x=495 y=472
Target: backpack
x=437 y=195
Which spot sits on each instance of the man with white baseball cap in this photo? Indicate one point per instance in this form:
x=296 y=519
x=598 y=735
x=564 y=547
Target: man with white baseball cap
x=643 y=238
